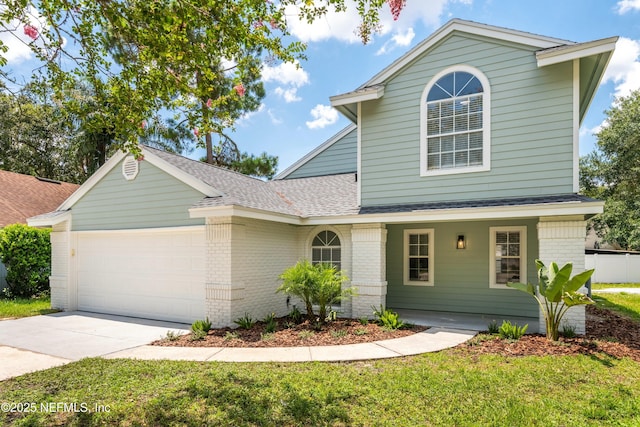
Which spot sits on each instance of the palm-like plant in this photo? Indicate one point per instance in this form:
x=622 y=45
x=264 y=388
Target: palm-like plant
x=556 y=293
x=319 y=284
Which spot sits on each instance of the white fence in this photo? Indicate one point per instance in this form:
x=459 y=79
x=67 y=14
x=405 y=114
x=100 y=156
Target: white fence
x=614 y=268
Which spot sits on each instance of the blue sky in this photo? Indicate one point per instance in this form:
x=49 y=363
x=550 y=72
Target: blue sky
x=296 y=115
x=338 y=62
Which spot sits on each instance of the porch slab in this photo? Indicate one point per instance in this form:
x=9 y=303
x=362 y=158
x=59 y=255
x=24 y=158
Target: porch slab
x=464 y=321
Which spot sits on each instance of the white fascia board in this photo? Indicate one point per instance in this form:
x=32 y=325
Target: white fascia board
x=48 y=222
x=316 y=151
x=130 y=231
x=467 y=214
x=92 y=181
x=576 y=51
x=360 y=95
x=242 y=212
x=181 y=175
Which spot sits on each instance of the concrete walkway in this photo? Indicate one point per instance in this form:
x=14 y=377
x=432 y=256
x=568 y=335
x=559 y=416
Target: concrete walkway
x=42 y=342
x=433 y=339
x=617 y=290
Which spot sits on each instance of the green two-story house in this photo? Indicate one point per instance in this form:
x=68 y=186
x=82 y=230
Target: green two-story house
x=460 y=168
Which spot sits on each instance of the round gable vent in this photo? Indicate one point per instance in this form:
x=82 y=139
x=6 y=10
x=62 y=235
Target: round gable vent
x=130 y=168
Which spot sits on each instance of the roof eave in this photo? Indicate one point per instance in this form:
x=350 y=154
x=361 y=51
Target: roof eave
x=243 y=212
x=48 y=222
x=575 y=51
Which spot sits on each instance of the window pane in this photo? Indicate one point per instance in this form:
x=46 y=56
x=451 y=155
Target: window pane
x=433 y=145
x=462 y=159
x=475 y=104
x=475 y=121
x=447 y=83
x=472 y=85
x=437 y=93
x=433 y=161
x=446 y=125
x=413 y=239
x=433 y=111
x=462 y=106
x=475 y=140
x=475 y=157
x=462 y=123
x=423 y=239
x=514 y=237
x=433 y=127
x=315 y=255
x=462 y=142
x=514 y=249
x=501 y=237
x=446 y=160
x=446 y=109
x=424 y=250
x=336 y=255
x=413 y=250
x=446 y=143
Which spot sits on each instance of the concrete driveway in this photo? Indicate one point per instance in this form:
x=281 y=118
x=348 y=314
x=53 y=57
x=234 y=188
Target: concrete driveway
x=40 y=342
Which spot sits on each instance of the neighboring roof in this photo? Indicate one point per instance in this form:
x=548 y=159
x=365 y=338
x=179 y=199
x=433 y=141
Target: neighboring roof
x=550 y=49
x=24 y=196
x=319 y=149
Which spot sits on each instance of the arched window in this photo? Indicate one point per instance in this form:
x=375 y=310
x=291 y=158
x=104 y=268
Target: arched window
x=325 y=247
x=455 y=123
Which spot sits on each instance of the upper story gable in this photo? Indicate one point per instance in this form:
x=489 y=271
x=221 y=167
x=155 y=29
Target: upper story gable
x=474 y=112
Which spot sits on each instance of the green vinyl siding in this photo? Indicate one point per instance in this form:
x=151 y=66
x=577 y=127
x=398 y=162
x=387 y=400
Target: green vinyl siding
x=531 y=139
x=339 y=157
x=461 y=276
x=153 y=199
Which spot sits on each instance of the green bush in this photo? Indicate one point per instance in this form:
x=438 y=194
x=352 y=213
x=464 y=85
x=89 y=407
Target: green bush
x=511 y=331
x=26 y=253
x=319 y=284
x=201 y=326
x=388 y=319
x=493 y=327
x=245 y=322
x=270 y=323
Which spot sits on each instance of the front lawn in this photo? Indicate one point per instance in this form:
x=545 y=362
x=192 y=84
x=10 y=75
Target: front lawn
x=597 y=286
x=623 y=303
x=25 y=307
x=447 y=388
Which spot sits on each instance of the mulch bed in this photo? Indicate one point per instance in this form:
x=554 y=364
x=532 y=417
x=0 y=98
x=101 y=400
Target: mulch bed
x=607 y=334
x=337 y=332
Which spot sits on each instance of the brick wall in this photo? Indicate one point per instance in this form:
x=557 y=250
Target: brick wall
x=562 y=242
x=368 y=268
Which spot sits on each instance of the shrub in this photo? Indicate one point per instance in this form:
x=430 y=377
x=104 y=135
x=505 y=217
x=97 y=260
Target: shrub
x=201 y=325
x=228 y=336
x=363 y=321
x=388 y=319
x=245 y=322
x=556 y=292
x=319 y=284
x=26 y=253
x=270 y=323
x=569 y=331
x=197 y=335
x=511 y=331
x=295 y=315
x=173 y=335
x=493 y=327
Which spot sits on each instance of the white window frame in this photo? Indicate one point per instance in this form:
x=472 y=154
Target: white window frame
x=522 y=229
x=430 y=255
x=486 y=123
x=312 y=247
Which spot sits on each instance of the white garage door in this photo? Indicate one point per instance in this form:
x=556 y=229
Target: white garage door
x=148 y=274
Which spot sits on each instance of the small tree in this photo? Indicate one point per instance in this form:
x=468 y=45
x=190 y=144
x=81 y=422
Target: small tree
x=26 y=252
x=319 y=284
x=556 y=292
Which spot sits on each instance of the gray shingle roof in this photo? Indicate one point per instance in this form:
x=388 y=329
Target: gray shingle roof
x=304 y=197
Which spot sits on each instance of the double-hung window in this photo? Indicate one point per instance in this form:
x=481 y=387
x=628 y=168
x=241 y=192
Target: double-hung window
x=508 y=256
x=455 y=123
x=419 y=257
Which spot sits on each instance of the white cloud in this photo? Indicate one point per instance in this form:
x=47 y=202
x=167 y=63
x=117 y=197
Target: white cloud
x=342 y=25
x=398 y=39
x=625 y=6
x=274 y=119
x=289 y=95
x=324 y=116
x=291 y=76
x=624 y=67
x=246 y=117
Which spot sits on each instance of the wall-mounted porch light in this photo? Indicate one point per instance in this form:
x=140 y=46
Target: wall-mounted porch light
x=461 y=243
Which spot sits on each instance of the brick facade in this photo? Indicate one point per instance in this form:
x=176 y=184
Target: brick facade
x=369 y=243
x=562 y=242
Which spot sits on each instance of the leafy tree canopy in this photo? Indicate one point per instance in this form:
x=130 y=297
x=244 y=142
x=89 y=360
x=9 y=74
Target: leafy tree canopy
x=173 y=51
x=612 y=173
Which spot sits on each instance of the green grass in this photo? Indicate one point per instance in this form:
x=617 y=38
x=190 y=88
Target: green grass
x=596 y=286
x=446 y=388
x=25 y=307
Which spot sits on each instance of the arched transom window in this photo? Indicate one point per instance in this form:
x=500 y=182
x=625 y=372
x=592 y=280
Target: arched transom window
x=325 y=247
x=456 y=123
